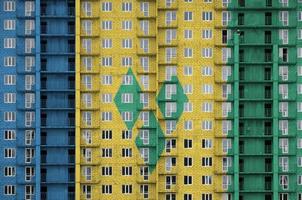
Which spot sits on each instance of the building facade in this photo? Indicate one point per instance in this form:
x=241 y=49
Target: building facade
x=148 y=99
x=187 y=99
x=37 y=99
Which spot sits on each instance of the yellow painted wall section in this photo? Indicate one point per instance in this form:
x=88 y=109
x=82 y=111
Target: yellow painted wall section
x=90 y=82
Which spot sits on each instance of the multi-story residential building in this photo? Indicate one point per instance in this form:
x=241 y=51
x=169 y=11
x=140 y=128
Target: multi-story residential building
x=173 y=99
x=37 y=99
x=188 y=99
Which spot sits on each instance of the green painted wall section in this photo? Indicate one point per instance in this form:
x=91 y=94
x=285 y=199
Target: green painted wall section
x=156 y=136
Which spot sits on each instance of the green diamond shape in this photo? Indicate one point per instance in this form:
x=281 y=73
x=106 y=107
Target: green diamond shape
x=129 y=107
x=180 y=98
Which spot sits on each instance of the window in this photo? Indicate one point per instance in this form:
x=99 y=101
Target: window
x=9 y=190
x=207 y=34
x=126 y=189
x=127 y=80
x=9 y=171
x=226 y=54
x=107 y=189
x=207 y=107
x=29 y=137
x=127 y=25
x=107 y=134
x=106 y=116
x=29 y=45
x=188 y=180
x=170 y=162
x=299 y=35
x=9 y=135
x=106 y=152
x=144 y=8
x=226 y=163
x=206 y=180
x=299 y=15
x=170 y=17
x=126 y=171
x=170 y=54
x=188 y=125
x=107 y=25
x=226 y=145
x=188 y=107
x=106 y=43
x=29 y=192
x=144 y=172
x=106 y=98
x=206 y=161
x=29 y=154
x=144 y=26
x=283 y=163
x=188 y=161
x=206 y=52
x=87 y=136
x=106 y=171
x=188 y=143
x=9 y=79
x=127 y=116
x=107 y=80
x=207 y=16
x=9 y=153
x=126 y=6
x=144 y=136
x=126 y=134
x=9 y=43
x=9 y=24
x=188 y=89
x=144 y=79
x=207 y=89
x=87 y=8
x=127 y=43
x=126 y=152
x=144 y=45
x=144 y=99
x=188 y=52
x=29 y=8
x=9 y=116
x=299 y=161
x=29 y=118
x=170 y=126
x=126 y=61
x=87 y=27
x=283 y=35
x=188 y=197
x=29 y=173
x=226 y=18
x=106 y=61
x=188 y=16
x=107 y=6
x=206 y=71
x=9 y=5
x=144 y=153
x=206 y=196
x=284 y=181
x=188 y=70
x=87 y=45
x=144 y=116
x=144 y=63
x=127 y=97
x=283 y=17
x=206 y=125
x=9 y=61
x=188 y=34
x=29 y=82
x=29 y=27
